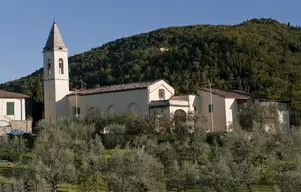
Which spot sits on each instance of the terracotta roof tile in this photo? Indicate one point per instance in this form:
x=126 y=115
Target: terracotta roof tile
x=114 y=88
x=236 y=94
x=7 y=94
x=229 y=94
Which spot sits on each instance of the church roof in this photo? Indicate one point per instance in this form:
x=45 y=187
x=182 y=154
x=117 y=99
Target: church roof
x=114 y=88
x=229 y=94
x=7 y=94
x=236 y=94
x=55 y=40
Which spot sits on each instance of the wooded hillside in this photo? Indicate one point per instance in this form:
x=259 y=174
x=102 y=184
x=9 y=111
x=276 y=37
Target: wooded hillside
x=260 y=55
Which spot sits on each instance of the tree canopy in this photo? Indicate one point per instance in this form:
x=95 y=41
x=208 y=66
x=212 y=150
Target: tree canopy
x=72 y=153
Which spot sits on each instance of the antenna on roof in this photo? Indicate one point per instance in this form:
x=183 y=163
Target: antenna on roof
x=211 y=105
x=209 y=82
x=81 y=84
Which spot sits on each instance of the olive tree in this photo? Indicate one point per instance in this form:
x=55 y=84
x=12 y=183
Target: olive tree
x=52 y=159
x=135 y=170
x=259 y=116
x=284 y=165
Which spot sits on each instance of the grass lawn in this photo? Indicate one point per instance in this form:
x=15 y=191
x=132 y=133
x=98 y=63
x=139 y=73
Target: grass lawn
x=255 y=188
x=108 y=152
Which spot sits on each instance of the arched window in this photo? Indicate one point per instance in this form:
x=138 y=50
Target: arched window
x=49 y=66
x=61 y=66
x=161 y=94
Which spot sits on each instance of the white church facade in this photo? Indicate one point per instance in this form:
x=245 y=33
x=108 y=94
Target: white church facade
x=145 y=98
x=120 y=99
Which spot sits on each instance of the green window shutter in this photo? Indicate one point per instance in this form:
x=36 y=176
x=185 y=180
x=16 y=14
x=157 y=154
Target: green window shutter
x=10 y=108
x=210 y=108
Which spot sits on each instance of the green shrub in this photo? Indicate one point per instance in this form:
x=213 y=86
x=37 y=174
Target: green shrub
x=167 y=137
x=215 y=138
x=93 y=183
x=111 y=140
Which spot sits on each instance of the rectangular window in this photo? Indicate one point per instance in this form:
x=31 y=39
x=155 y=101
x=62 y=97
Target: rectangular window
x=210 y=107
x=10 y=108
x=74 y=110
x=161 y=93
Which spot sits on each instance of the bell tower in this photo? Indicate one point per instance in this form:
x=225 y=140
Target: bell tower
x=56 y=75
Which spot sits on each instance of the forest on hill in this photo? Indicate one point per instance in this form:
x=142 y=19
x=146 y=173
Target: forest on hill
x=258 y=55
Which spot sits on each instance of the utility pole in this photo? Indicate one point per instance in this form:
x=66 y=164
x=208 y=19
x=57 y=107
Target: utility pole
x=211 y=107
x=76 y=103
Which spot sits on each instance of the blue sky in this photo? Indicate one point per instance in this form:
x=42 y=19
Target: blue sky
x=85 y=24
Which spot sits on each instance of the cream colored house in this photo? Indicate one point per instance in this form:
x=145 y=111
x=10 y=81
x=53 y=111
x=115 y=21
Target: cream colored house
x=116 y=99
x=12 y=112
x=226 y=106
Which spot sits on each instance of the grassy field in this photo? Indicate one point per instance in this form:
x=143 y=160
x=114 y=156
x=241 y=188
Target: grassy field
x=255 y=188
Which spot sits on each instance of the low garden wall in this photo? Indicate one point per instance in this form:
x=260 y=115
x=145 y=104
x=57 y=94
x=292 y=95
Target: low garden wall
x=17 y=124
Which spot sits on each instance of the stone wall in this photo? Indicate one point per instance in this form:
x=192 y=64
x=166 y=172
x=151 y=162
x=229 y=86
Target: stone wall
x=22 y=125
x=17 y=124
x=4 y=129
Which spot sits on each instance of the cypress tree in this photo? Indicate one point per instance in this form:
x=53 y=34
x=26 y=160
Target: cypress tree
x=37 y=103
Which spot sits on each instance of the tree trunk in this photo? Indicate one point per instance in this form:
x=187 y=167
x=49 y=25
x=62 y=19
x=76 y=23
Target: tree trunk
x=249 y=188
x=54 y=186
x=217 y=188
x=26 y=187
x=178 y=188
x=12 y=187
x=229 y=189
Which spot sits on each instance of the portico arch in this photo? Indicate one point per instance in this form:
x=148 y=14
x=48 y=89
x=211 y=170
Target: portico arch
x=180 y=115
x=111 y=110
x=133 y=107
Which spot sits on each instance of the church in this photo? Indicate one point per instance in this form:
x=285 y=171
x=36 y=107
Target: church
x=221 y=108
x=144 y=98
